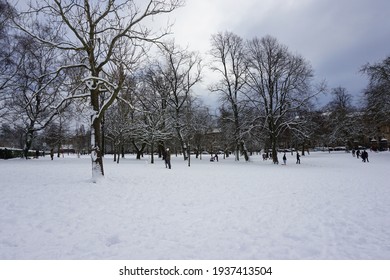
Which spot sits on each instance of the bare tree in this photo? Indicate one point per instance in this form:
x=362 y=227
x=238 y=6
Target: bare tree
x=280 y=84
x=228 y=51
x=8 y=57
x=35 y=91
x=159 y=90
x=341 y=100
x=117 y=126
x=181 y=71
x=377 y=93
x=151 y=127
x=6 y=12
x=342 y=119
x=95 y=31
x=201 y=123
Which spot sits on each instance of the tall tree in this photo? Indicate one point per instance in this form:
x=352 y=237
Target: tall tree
x=343 y=122
x=35 y=90
x=96 y=32
x=228 y=52
x=280 y=85
x=159 y=90
x=201 y=122
x=181 y=70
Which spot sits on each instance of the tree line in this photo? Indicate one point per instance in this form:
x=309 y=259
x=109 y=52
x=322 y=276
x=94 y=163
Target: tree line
x=101 y=73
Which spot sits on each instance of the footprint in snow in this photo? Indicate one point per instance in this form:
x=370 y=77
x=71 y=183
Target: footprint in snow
x=112 y=240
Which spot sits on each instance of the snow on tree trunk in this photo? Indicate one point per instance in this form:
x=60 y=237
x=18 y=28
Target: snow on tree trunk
x=97 y=160
x=28 y=142
x=237 y=152
x=96 y=154
x=244 y=151
x=118 y=156
x=182 y=142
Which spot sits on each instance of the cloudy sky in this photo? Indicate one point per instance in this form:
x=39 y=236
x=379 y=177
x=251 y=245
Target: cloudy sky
x=336 y=36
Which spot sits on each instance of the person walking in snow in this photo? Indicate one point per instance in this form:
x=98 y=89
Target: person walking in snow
x=357 y=153
x=167 y=159
x=298 y=158
x=284 y=159
x=365 y=156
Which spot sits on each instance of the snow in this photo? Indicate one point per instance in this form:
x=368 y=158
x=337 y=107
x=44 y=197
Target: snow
x=331 y=206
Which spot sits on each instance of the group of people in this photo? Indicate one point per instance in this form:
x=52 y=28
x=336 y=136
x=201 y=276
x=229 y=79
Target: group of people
x=214 y=158
x=363 y=155
x=167 y=158
x=298 y=159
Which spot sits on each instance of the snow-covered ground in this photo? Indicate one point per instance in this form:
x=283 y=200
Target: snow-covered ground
x=331 y=206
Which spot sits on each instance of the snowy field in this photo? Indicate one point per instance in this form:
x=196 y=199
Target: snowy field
x=331 y=206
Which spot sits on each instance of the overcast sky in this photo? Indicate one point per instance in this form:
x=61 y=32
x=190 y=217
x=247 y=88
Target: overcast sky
x=336 y=36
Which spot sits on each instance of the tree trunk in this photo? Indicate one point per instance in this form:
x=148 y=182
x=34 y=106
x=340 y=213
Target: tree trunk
x=182 y=143
x=237 y=132
x=274 y=149
x=138 y=150
x=152 y=153
x=160 y=149
x=103 y=141
x=28 y=142
x=237 y=152
x=59 y=149
x=185 y=155
x=244 y=151
x=96 y=154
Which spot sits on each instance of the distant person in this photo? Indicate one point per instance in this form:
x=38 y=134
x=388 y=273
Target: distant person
x=284 y=159
x=216 y=157
x=298 y=158
x=357 y=153
x=52 y=153
x=167 y=158
x=365 y=156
